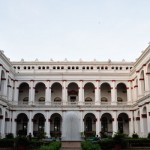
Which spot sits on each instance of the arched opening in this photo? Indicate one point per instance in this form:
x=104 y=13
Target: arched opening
x=55 y=125
x=22 y=124
x=40 y=93
x=105 y=93
x=56 y=93
x=38 y=124
x=123 y=123
x=121 y=93
x=23 y=93
x=73 y=93
x=89 y=92
x=89 y=125
x=142 y=83
x=106 y=124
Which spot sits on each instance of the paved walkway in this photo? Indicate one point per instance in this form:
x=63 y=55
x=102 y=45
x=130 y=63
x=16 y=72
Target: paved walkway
x=70 y=145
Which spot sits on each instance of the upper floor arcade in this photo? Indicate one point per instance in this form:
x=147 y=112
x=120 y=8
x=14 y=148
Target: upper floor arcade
x=78 y=83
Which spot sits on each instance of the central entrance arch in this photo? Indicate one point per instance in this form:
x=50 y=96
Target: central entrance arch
x=71 y=127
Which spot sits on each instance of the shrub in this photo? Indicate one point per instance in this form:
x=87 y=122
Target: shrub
x=140 y=142
x=135 y=136
x=120 y=139
x=86 y=145
x=51 y=146
x=148 y=136
x=106 y=144
x=6 y=143
x=10 y=136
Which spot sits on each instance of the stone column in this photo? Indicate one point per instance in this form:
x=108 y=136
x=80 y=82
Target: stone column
x=98 y=123
x=31 y=93
x=148 y=117
x=97 y=93
x=0 y=73
x=141 y=124
x=135 y=122
x=2 y=130
x=136 y=92
x=113 y=93
x=140 y=93
x=16 y=92
x=131 y=124
x=47 y=125
x=81 y=121
x=47 y=93
x=30 y=123
x=9 y=123
x=81 y=99
x=11 y=91
x=5 y=85
x=14 y=124
x=64 y=93
x=115 y=122
x=146 y=82
x=129 y=96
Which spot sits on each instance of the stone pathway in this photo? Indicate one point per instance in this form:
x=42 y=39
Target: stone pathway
x=70 y=145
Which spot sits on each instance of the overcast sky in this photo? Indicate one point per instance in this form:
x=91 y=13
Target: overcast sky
x=74 y=29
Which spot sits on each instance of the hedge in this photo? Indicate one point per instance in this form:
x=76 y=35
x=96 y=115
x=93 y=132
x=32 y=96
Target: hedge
x=87 y=145
x=51 y=146
x=6 y=143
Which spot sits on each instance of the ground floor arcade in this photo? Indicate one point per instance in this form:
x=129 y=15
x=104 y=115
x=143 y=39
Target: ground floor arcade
x=71 y=125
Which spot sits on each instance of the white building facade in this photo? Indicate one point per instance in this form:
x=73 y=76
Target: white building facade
x=66 y=98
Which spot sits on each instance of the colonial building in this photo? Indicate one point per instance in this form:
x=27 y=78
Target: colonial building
x=67 y=98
